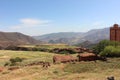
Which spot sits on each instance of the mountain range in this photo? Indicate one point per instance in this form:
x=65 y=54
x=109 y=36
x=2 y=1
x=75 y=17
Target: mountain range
x=71 y=38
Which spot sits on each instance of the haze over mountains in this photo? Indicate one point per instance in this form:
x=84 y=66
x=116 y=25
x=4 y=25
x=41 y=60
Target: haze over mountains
x=92 y=36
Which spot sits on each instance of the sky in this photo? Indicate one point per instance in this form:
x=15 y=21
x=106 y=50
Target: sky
x=38 y=17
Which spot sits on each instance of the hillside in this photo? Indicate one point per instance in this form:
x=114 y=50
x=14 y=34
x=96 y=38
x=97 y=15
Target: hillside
x=71 y=38
x=7 y=38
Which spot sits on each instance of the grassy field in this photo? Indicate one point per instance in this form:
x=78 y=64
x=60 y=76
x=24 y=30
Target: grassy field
x=79 y=71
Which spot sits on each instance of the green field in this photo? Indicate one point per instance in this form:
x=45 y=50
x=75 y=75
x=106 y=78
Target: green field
x=79 y=71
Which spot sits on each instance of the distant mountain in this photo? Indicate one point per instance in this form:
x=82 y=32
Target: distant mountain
x=57 y=36
x=7 y=38
x=93 y=36
x=97 y=35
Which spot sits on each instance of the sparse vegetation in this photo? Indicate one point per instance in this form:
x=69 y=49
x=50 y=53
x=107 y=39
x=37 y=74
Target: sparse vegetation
x=91 y=67
x=78 y=71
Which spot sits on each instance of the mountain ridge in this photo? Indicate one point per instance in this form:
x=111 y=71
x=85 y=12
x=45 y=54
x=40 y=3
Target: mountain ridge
x=71 y=38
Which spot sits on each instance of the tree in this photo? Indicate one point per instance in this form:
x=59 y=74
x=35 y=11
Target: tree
x=100 y=46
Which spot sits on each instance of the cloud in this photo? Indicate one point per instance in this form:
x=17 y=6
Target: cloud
x=27 y=22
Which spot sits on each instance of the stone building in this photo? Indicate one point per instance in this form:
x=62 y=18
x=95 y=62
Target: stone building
x=115 y=33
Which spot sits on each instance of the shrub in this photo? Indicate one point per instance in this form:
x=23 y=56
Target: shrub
x=6 y=64
x=55 y=72
x=111 y=51
x=102 y=44
x=13 y=61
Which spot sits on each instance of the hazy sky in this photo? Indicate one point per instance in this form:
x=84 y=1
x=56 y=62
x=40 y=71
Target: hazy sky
x=37 y=17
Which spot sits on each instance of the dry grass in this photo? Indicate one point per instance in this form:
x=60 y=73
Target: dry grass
x=56 y=72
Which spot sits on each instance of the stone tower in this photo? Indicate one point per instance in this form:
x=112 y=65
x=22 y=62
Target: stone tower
x=115 y=33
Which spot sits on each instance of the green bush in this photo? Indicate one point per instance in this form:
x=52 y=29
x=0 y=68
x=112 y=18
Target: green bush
x=111 y=51
x=102 y=44
x=13 y=61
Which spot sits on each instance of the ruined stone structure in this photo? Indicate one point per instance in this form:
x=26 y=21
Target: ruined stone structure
x=115 y=33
